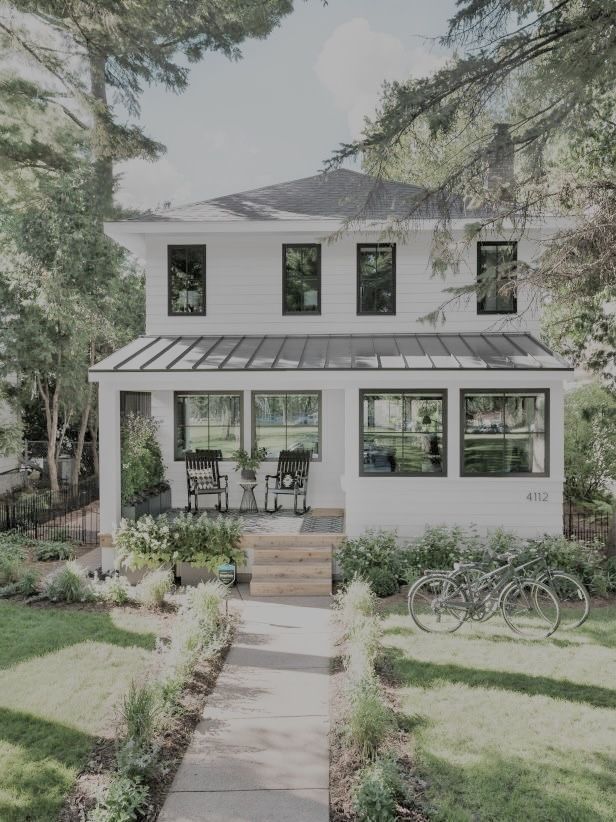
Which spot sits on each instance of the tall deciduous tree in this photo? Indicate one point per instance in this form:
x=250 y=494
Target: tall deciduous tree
x=547 y=69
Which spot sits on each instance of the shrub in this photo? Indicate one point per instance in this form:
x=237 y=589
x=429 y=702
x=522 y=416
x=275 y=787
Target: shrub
x=584 y=559
x=12 y=556
x=372 y=550
x=439 y=547
x=200 y=541
x=154 y=586
x=142 y=462
x=145 y=543
x=116 y=590
x=369 y=719
x=69 y=583
x=125 y=800
x=363 y=645
x=383 y=582
x=378 y=787
x=205 y=600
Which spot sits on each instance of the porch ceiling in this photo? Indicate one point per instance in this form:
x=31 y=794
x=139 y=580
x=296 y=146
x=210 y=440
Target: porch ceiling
x=367 y=352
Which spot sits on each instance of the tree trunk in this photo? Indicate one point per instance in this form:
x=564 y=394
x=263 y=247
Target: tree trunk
x=103 y=165
x=51 y=403
x=83 y=428
x=611 y=535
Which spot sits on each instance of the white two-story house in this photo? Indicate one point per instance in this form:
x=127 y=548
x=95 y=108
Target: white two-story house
x=269 y=326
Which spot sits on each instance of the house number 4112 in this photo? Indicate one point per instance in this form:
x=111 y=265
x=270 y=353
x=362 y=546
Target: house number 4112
x=537 y=496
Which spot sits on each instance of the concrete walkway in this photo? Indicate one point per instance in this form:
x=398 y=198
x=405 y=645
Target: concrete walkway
x=261 y=750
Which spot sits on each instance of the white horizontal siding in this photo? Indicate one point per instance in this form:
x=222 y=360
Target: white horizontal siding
x=244 y=288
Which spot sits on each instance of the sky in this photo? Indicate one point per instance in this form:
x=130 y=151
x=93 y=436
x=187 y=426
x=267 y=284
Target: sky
x=278 y=113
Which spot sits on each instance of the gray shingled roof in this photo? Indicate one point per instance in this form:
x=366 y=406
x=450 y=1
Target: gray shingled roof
x=340 y=194
x=398 y=352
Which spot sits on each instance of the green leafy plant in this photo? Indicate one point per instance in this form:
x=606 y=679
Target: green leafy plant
x=141 y=714
x=154 y=587
x=142 y=462
x=125 y=800
x=365 y=554
x=51 y=550
x=69 y=583
x=248 y=461
x=145 y=543
x=378 y=786
x=584 y=559
x=440 y=547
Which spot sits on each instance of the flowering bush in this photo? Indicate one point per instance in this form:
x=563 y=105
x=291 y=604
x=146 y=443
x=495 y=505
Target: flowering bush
x=200 y=541
x=142 y=461
x=374 y=556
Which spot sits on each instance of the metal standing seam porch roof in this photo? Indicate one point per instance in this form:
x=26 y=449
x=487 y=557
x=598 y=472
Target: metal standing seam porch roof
x=343 y=352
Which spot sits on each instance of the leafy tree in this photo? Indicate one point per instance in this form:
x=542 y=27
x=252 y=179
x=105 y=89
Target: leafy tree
x=547 y=69
x=590 y=444
x=83 y=48
x=57 y=313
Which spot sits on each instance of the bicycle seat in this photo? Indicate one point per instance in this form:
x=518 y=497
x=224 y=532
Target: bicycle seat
x=464 y=566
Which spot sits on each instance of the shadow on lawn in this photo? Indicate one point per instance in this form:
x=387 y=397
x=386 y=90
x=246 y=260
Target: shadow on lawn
x=424 y=674
x=37 y=775
x=509 y=790
x=30 y=632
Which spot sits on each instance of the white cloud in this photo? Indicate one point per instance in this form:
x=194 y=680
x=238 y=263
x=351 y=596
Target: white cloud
x=355 y=60
x=147 y=185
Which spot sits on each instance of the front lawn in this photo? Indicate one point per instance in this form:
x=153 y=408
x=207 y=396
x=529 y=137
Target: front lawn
x=504 y=729
x=63 y=671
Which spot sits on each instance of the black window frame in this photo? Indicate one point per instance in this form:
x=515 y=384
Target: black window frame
x=285 y=311
x=443 y=392
x=392 y=312
x=253 y=422
x=203 y=312
x=503 y=392
x=193 y=393
x=481 y=311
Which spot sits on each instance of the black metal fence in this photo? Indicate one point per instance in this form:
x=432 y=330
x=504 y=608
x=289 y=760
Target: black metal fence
x=71 y=513
x=585 y=525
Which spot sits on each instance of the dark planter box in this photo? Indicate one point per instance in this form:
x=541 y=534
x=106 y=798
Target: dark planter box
x=155 y=504
x=165 y=500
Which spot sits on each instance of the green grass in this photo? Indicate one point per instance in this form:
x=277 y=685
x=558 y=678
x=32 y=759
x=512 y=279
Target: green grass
x=62 y=675
x=504 y=729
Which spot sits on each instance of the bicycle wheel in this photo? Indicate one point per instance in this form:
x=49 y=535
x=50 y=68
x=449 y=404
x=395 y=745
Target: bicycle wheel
x=572 y=596
x=437 y=604
x=530 y=608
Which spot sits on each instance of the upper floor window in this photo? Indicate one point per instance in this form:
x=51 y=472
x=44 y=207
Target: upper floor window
x=301 y=279
x=376 y=278
x=208 y=420
x=402 y=432
x=287 y=421
x=186 y=279
x=504 y=432
x=495 y=276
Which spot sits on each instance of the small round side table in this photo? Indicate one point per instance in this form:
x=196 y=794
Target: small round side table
x=248 y=505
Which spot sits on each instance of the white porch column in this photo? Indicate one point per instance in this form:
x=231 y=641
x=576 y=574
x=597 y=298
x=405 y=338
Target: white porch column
x=453 y=432
x=109 y=470
x=350 y=480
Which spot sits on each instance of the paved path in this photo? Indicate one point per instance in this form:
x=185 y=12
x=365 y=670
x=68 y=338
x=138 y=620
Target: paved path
x=261 y=750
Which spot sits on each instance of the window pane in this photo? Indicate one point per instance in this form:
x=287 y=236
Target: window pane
x=402 y=434
x=286 y=421
x=495 y=274
x=302 y=279
x=186 y=279
x=376 y=279
x=505 y=434
x=211 y=421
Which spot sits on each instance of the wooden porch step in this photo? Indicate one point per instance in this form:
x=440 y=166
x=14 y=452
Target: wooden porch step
x=318 y=552
x=290 y=587
x=306 y=569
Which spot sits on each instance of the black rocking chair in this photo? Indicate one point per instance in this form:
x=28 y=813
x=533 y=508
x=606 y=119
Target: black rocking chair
x=291 y=477
x=203 y=477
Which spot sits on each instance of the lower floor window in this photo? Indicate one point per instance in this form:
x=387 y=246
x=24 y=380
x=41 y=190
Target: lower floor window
x=402 y=432
x=287 y=421
x=504 y=432
x=207 y=420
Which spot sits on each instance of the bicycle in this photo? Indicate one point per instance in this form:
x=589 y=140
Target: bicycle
x=440 y=603
x=573 y=598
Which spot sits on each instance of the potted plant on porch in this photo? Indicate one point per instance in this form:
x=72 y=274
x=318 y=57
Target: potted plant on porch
x=248 y=463
x=144 y=487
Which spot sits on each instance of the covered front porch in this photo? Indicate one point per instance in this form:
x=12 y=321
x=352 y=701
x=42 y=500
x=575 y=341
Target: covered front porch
x=355 y=469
